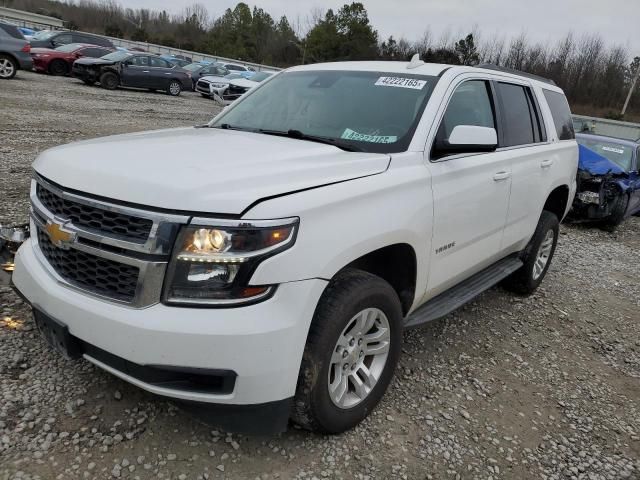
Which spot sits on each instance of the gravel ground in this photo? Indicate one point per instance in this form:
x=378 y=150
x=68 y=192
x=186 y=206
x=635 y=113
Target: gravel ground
x=508 y=387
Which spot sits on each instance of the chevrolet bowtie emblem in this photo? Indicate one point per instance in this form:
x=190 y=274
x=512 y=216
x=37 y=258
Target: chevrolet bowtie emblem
x=58 y=236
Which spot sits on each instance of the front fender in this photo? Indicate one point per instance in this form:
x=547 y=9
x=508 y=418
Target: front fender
x=342 y=222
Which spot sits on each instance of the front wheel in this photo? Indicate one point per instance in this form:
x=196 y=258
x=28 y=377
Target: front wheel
x=58 y=68
x=352 y=350
x=109 y=80
x=617 y=213
x=8 y=67
x=174 y=88
x=536 y=257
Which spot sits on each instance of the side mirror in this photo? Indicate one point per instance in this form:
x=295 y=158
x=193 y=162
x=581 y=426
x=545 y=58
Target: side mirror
x=467 y=139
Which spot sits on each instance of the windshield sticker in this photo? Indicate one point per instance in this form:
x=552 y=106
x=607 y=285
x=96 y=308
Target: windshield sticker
x=614 y=150
x=349 y=134
x=401 y=82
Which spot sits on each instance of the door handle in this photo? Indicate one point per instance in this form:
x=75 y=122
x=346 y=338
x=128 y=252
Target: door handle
x=145 y=71
x=498 y=177
x=546 y=163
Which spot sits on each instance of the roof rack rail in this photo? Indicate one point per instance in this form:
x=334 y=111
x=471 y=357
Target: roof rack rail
x=491 y=66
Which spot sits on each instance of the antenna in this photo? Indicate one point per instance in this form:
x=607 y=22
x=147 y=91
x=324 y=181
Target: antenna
x=415 y=62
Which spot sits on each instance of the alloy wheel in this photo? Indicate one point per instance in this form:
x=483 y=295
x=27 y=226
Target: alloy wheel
x=174 y=88
x=359 y=357
x=7 y=68
x=544 y=252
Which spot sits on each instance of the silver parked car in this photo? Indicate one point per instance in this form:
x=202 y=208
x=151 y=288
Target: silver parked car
x=14 y=51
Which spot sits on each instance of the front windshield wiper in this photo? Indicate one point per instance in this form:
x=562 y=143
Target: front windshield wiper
x=297 y=134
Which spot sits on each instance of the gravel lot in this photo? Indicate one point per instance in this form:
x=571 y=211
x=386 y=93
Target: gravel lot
x=507 y=387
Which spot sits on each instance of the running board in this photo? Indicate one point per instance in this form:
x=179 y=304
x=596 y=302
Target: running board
x=464 y=292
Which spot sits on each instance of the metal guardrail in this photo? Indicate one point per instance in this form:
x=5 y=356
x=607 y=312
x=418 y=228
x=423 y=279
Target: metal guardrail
x=607 y=127
x=195 y=56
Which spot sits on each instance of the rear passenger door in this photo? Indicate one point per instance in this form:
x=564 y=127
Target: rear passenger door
x=532 y=165
x=470 y=190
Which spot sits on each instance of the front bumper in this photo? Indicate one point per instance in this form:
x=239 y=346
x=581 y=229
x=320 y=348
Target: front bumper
x=262 y=343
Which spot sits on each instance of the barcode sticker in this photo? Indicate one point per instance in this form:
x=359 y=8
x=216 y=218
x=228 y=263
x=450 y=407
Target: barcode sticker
x=401 y=82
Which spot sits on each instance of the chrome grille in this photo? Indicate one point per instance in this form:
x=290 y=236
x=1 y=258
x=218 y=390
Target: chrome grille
x=118 y=253
x=103 y=221
x=91 y=273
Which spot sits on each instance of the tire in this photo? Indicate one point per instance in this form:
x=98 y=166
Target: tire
x=8 y=67
x=527 y=278
x=58 y=68
x=617 y=213
x=351 y=296
x=174 y=88
x=109 y=80
x=89 y=82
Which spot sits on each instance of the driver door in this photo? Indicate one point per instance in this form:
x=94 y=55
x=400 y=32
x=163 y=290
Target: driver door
x=470 y=191
x=134 y=71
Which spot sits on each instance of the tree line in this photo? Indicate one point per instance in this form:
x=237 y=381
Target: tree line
x=596 y=76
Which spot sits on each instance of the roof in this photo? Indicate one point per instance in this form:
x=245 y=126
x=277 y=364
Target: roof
x=430 y=69
x=604 y=138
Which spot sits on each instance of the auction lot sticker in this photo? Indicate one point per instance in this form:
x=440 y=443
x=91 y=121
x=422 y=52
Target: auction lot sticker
x=401 y=82
x=349 y=134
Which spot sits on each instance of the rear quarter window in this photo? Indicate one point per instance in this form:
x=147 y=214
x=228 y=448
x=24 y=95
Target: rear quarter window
x=12 y=31
x=561 y=114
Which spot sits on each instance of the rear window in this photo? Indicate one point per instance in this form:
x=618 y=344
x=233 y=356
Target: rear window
x=12 y=30
x=561 y=114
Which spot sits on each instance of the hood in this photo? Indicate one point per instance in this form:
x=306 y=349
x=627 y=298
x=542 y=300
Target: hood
x=49 y=51
x=243 y=82
x=201 y=169
x=214 y=79
x=94 y=61
x=596 y=164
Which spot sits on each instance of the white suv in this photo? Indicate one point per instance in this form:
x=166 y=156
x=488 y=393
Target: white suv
x=273 y=277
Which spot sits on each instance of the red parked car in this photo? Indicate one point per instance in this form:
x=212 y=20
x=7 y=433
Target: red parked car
x=60 y=60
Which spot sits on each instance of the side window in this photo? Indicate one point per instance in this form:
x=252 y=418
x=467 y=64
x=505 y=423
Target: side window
x=517 y=114
x=470 y=104
x=234 y=68
x=561 y=114
x=159 y=62
x=140 y=61
x=63 y=39
x=11 y=31
x=92 y=52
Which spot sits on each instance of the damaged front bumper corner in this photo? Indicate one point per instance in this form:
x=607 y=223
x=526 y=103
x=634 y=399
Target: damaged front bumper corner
x=596 y=197
x=11 y=237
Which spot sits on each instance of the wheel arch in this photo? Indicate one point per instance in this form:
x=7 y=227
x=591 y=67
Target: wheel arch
x=12 y=57
x=397 y=264
x=558 y=201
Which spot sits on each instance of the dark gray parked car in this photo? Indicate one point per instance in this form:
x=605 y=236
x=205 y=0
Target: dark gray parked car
x=14 y=51
x=57 y=38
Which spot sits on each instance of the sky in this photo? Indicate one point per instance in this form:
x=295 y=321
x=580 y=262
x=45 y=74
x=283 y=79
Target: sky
x=617 y=21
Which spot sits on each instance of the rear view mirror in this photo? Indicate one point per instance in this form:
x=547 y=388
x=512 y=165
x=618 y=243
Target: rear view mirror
x=467 y=139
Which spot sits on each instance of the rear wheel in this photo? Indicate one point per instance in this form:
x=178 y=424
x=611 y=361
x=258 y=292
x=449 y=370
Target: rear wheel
x=8 y=67
x=109 y=80
x=174 y=88
x=536 y=257
x=352 y=350
x=58 y=68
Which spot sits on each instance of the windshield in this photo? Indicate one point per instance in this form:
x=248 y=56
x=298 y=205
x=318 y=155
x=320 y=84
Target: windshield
x=69 y=48
x=619 y=154
x=374 y=111
x=44 y=34
x=116 y=56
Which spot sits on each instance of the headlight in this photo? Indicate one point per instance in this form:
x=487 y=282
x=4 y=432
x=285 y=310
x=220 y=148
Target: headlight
x=213 y=264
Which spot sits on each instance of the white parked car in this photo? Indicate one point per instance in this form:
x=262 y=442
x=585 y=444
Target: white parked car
x=229 y=88
x=271 y=276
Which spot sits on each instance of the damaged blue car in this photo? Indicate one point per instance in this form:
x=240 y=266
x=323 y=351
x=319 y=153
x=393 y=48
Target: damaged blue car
x=608 y=183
